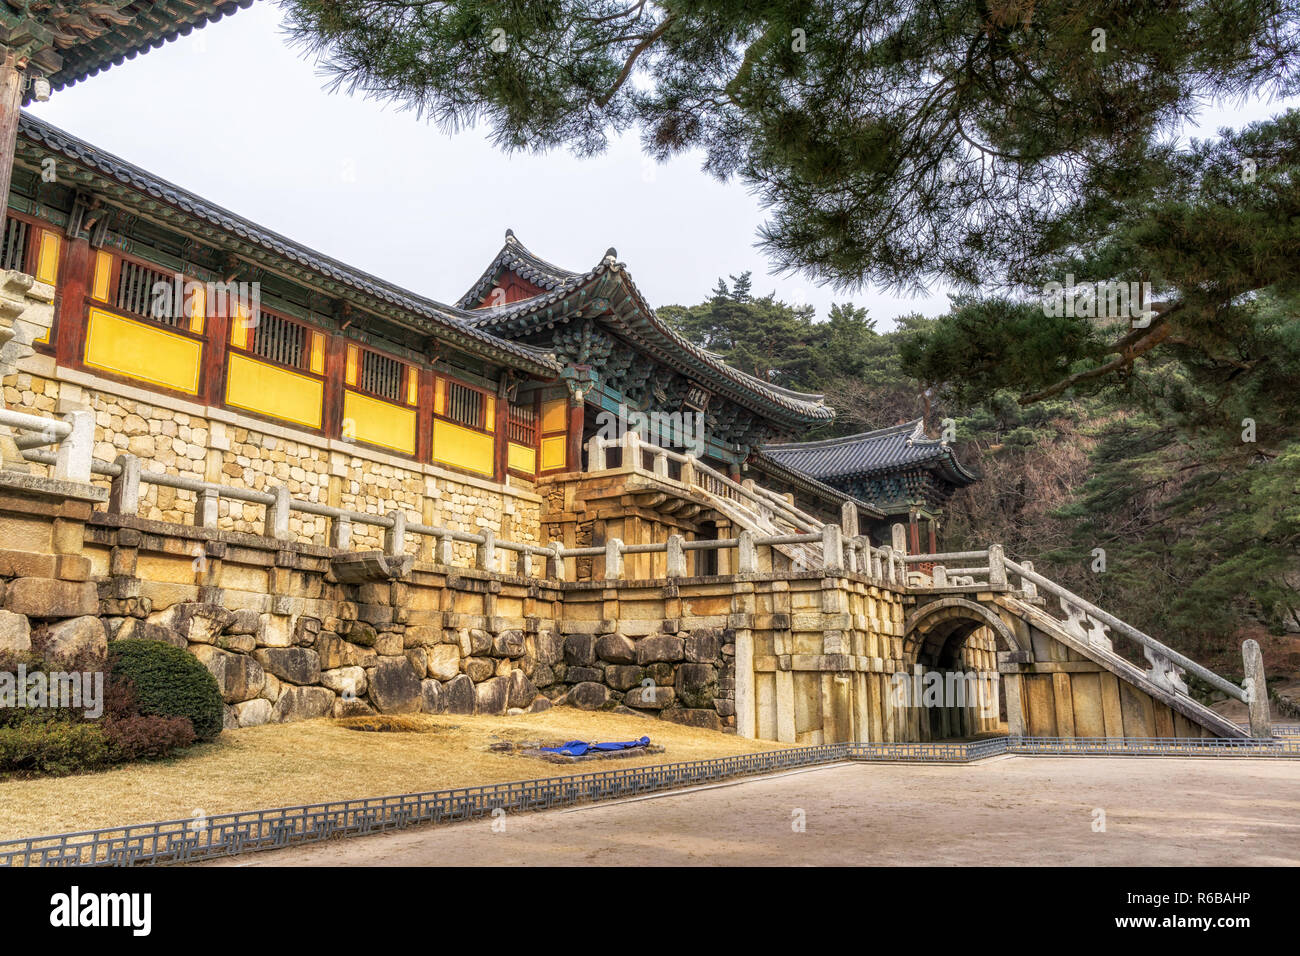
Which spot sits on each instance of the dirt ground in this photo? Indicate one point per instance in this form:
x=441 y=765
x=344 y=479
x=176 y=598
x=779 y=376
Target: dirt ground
x=1012 y=811
x=315 y=761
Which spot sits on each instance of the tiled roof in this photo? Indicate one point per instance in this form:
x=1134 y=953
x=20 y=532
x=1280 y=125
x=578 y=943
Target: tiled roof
x=516 y=258
x=437 y=319
x=638 y=320
x=91 y=38
x=884 y=449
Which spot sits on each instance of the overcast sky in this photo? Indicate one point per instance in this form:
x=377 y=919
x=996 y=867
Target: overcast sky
x=235 y=115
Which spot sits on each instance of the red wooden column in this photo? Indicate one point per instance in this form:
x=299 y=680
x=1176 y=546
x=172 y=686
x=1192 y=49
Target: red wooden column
x=423 y=416
x=336 y=348
x=577 y=418
x=74 y=283
x=216 y=338
x=501 y=437
x=11 y=96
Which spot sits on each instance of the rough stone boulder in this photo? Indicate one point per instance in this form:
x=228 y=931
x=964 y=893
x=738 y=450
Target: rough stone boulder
x=48 y=598
x=479 y=669
x=252 y=713
x=239 y=676
x=623 y=676
x=616 y=649
x=540 y=704
x=703 y=647
x=302 y=703
x=394 y=687
x=650 y=697
x=492 y=696
x=346 y=681
x=587 y=696
x=360 y=633
x=521 y=690
x=197 y=623
x=78 y=635
x=15 y=633
x=580 y=650
x=475 y=642
x=356 y=707
x=579 y=675
x=431 y=701
x=696 y=685
x=658 y=647
x=508 y=644
x=458 y=695
x=135 y=629
x=245 y=622
x=547 y=647
x=443 y=661
x=297 y=665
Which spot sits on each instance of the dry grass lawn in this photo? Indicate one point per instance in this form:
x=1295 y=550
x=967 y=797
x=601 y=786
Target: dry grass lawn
x=316 y=761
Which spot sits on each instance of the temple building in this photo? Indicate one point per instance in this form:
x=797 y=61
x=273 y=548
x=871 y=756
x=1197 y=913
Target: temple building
x=163 y=300
x=900 y=470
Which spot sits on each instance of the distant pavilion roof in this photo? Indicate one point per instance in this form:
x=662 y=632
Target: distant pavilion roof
x=869 y=453
x=72 y=41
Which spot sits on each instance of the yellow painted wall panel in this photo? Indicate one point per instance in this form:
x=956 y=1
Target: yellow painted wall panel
x=379 y=423
x=522 y=458
x=143 y=352
x=103 y=274
x=47 y=260
x=555 y=416
x=463 y=448
x=554 y=452
x=271 y=390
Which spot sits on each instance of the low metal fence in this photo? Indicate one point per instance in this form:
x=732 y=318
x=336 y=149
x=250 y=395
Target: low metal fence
x=229 y=834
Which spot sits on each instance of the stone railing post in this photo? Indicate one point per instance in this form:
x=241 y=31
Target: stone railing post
x=997 y=567
x=661 y=463
x=887 y=565
x=614 y=556
x=1029 y=588
x=555 y=563
x=124 y=492
x=1261 y=722
x=832 y=548
x=486 y=553
x=632 y=450
x=596 y=453
x=688 y=471
x=205 y=508
x=746 y=553
x=277 y=514
x=849 y=519
x=523 y=563
x=939 y=576
x=676 y=556
x=395 y=536
x=76 y=452
x=341 y=533
x=446 y=551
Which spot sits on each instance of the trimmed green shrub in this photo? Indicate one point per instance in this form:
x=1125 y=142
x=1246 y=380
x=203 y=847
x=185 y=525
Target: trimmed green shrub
x=169 y=682
x=146 y=738
x=51 y=747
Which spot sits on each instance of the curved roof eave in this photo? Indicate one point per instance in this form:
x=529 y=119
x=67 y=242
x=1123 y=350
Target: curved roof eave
x=526 y=314
x=859 y=459
x=422 y=314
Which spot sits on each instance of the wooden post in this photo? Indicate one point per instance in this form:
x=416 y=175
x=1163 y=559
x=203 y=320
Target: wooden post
x=577 y=417
x=11 y=97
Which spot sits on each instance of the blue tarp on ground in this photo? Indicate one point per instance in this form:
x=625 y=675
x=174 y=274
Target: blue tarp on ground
x=577 y=748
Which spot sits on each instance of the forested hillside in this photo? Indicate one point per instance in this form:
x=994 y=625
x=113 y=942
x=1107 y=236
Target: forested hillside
x=1171 y=500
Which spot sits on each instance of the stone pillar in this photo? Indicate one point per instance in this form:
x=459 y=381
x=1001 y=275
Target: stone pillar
x=341 y=533
x=277 y=514
x=746 y=553
x=832 y=548
x=676 y=557
x=555 y=565
x=849 y=519
x=26 y=313
x=124 y=492
x=205 y=509
x=1261 y=722
x=614 y=556
x=997 y=567
x=486 y=554
x=395 y=537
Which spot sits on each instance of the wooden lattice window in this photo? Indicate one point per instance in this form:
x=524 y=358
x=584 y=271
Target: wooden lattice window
x=13 y=252
x=135 y=293
x=465 y=405
x=279 y=340
x=381 y=375
x=521 y=425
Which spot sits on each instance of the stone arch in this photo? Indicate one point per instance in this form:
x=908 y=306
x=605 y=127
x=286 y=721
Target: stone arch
x=944 y=617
